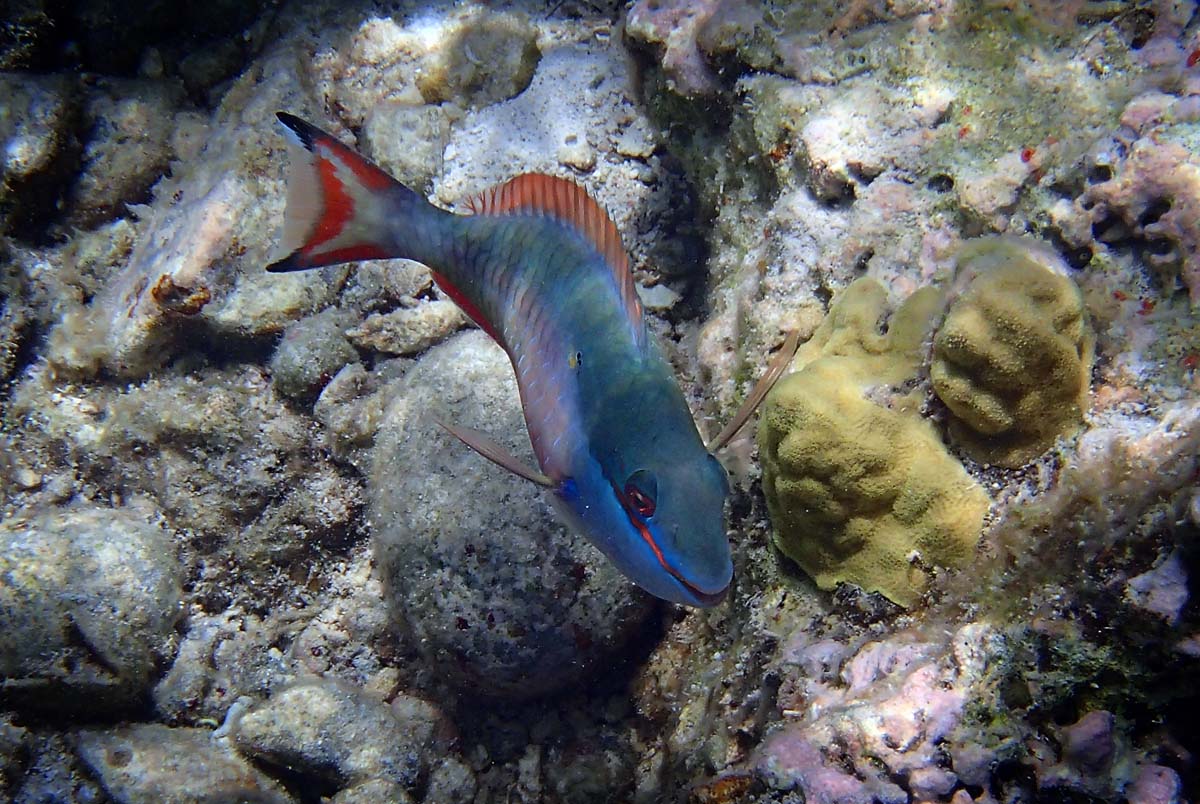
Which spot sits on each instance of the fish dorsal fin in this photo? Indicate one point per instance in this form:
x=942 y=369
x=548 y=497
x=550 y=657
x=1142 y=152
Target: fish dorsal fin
x=566 y=202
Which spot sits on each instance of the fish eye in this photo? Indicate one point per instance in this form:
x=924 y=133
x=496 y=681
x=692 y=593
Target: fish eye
x=641 y=489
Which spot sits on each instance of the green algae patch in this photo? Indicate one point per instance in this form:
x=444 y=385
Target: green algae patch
x=1013 y=358
x=859 y=487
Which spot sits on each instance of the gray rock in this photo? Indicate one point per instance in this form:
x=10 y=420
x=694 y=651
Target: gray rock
x=155 y=764
x=50 y=773
x=38 y=150
x=409 y=330
x=312 y=351
x=451 y=780
x=1162 y=590
x=385 y=284
x=87 y=608
x=222 y=660
x=374 y=792
x=499 y=596
x=12 y=315
x=130 y=124
x=13 y=740
x=350 y=411
x=341 y=734
x=407 y=141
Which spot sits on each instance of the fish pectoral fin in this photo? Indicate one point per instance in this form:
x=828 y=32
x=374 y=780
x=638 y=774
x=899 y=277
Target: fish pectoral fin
x=485 y=446
x=774 y=371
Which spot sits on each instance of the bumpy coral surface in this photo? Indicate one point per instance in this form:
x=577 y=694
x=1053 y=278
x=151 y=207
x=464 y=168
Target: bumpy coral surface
x=861 y=491
x=1013 y=357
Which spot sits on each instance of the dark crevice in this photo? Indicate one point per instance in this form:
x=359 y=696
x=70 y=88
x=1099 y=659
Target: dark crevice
x=1098 y=174
x=1154 y=211
x=940 y=183
x=1078 y=257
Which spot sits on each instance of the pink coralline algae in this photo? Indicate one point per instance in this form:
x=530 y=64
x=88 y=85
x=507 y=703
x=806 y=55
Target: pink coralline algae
x=898 y=702
x=672 y=25
x=1162 y=590
x=1153 y=195
x=1095 y=760
x=1154 y=784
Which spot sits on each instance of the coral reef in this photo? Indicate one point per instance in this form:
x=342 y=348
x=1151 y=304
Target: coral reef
x=862 y=734
x=859 y=487
x=244 y=563
x=1013 y=357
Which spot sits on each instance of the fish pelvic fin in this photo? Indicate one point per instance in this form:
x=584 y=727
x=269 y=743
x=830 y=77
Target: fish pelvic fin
x=779 y=364
x=488 y=448
x=337 y=203
x=568 y=203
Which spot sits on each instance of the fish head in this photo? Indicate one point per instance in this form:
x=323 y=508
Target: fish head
x=659 y=515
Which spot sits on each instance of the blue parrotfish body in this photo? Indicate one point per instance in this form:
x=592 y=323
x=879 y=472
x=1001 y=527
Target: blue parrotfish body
x=540 y=267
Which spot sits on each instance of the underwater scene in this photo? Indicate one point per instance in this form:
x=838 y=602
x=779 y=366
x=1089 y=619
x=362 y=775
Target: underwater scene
x=655 y=402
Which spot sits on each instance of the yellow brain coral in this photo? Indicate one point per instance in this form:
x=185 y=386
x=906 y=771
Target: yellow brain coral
x=859 y=487
x=1013 y=357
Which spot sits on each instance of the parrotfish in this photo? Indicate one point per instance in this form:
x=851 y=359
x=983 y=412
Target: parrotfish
x=540 y=267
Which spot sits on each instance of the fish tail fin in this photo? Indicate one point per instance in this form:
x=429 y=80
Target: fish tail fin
x=340 y=206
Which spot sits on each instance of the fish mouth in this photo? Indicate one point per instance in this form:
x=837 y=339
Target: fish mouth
x=704 y=599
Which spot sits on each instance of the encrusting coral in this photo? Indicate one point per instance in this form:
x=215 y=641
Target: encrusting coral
x=858 y=485
x=1013 y=357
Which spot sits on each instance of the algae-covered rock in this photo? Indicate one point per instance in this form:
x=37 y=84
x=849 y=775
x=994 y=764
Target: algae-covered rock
x=497 y=594
x=344 y=735
x=859 y=487
x=88 y=602
x=12 y=315
x=1012 y=359
x=312 y=352
x=38 y=148
x=154 y=764
x=407 y=141
x=490 y=57
x=129 y=146
x=408 y=330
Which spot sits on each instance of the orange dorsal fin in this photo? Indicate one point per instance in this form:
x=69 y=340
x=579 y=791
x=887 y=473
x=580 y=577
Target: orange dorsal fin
x=566 y=202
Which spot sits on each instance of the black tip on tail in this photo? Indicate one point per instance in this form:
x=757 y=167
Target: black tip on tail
x=289 y=263
x=306 y=133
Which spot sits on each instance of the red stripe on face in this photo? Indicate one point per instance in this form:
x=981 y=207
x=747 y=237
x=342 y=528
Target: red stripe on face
x=648 y=538
x=708 y=598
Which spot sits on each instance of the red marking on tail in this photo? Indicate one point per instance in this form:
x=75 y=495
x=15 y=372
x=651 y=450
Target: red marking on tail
x=338 y=206
x=328 y=184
